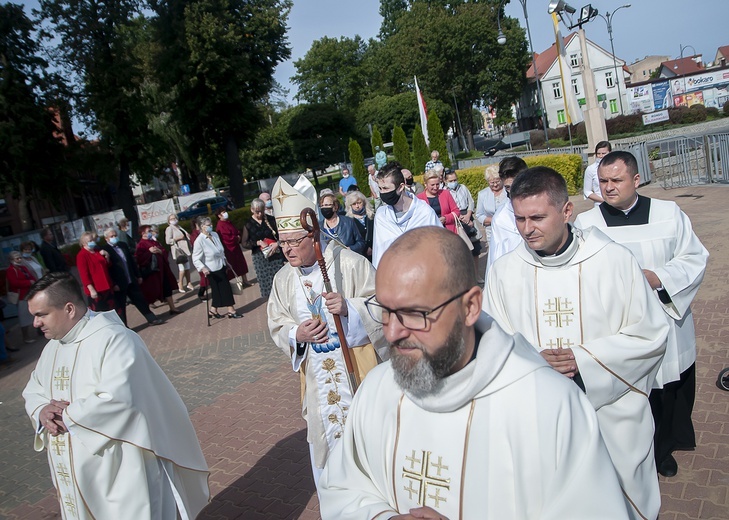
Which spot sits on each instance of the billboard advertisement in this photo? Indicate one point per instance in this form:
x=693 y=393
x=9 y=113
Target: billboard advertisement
x=640 y=99
x=661 y=95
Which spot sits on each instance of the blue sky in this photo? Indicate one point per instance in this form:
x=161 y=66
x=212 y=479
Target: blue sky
x=648 y=27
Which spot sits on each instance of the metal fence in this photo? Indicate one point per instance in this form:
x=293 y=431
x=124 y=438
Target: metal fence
x=717 y=146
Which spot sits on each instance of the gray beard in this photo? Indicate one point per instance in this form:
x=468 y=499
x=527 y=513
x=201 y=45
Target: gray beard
x=425 y=376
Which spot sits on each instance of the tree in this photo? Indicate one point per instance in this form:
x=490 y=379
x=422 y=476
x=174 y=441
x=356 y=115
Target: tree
x=437 y=138
x=330 y=72
x=376 y=140
x=390 y=10
x=401 y=149
x=220 y=55
x=421 y=154
x=358 y=167
x=271 y=154
x=31 y=154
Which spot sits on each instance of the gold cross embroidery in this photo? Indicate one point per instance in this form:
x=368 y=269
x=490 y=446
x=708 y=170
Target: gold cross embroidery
x=281 y=196
x=422 y=477
x=61 y=378
x=58 y=443
x=560 y=343
x=62 y=473
x=70 y=504
x=558 y=312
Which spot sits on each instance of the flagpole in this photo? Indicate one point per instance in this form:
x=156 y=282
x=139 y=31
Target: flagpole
x=558 y=43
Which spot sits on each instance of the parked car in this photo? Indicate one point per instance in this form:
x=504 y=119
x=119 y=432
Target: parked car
x=200 y=207
x=491 y=150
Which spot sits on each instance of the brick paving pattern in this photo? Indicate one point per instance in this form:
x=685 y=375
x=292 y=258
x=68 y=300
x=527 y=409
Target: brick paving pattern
x=244 y=401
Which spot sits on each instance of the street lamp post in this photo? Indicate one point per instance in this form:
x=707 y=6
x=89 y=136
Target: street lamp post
x=609 y=20
x=501 y=39
x=684 y=47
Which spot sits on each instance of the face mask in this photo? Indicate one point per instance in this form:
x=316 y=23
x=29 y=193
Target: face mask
x=91 y=244
x=409 y=181
x=269 y=203
x=113 y=241
x=391 y=197
x=327 y=213
x=358 y=211
x=149 y=236
x=345 y=175
x=452 y=185
x=208 y=229
x=173 y=222
x=224 y=215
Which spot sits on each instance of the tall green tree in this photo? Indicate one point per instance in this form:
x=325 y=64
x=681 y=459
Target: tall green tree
x=358 y=168
x=220 y=55
x=401 y=149
x=390 y=10
x=271 y=154
x=330 y=72
x=376 y=140
x=31 y=154
x=437 y=138
x=421 y=154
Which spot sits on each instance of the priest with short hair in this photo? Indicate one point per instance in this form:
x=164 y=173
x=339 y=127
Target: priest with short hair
x=583 y=302
x=673 y=259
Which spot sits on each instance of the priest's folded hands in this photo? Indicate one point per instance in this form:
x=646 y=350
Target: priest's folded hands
x=51 y=418
x=420 y=512
x=562 y=360
x=312 y=331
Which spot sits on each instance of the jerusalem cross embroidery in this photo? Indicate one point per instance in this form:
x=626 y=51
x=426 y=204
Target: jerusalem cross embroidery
x=560 y=343
x=558 y=312
x=423 y=482
x=61 y=378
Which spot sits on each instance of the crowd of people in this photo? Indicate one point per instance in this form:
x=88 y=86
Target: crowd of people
x=558 y=390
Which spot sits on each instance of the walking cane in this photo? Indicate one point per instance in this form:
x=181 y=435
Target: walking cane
x=313 y=227
x=207 y=304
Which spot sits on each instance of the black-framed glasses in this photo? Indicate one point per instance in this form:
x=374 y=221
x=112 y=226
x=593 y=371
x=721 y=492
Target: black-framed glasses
x=293 y=242
x=412 y=319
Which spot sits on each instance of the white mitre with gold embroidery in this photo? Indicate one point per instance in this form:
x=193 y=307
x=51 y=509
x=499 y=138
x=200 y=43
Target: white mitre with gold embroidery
x=288 y=202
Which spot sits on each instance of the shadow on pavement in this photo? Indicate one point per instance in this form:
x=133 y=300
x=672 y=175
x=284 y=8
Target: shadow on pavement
x=279 y=486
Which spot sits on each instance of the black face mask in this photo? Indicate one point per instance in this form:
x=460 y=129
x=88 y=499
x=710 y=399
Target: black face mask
x=327 y=213
x=409 y=181
x=390 y=198
x=359 y=211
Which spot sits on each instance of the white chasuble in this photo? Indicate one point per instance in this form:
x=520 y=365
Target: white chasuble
x=594 y=299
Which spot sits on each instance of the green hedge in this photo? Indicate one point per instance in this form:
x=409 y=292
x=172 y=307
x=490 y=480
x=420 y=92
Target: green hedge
x=568 y=165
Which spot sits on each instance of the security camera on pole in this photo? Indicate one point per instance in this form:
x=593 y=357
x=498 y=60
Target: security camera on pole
x=593 y=114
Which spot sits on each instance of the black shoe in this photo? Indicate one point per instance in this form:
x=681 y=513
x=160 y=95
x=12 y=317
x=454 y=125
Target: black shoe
x=234 y=315
x=156 y=322
x=668 y=467
x=175 y=311
x=215 y=315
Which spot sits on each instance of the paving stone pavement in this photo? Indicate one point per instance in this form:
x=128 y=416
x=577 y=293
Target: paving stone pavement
x=244 y=401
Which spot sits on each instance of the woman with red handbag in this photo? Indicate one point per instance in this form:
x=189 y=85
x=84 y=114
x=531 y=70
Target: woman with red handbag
x=263 y=243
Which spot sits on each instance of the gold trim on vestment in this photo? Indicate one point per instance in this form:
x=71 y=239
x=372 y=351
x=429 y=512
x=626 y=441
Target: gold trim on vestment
x=631 y=387
x=75 y=482
x=579 y=302
x=394 y=453
x=465 y=455
x=633 y=504
x=536 y=305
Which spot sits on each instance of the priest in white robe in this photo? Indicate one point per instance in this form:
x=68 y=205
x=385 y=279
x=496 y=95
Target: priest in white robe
x=465 y=421
x=583 y=302
x=401 y=211
x=673 y=259
x=301 y=322
x=119 y=438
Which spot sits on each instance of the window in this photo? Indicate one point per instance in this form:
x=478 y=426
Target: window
x=575 y=86
x=557 y=90
x=574 y=62
x=613 y=106
x=561 y=119
x=609 y=79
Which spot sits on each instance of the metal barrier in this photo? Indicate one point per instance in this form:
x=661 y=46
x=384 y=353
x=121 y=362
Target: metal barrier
x=717 y=157
x=678 y=161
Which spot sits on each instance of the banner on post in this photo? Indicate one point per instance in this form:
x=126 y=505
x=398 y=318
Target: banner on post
x=104 y=221
x=155 y=212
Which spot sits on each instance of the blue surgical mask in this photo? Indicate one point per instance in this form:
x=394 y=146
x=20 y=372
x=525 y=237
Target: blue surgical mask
x=173 y=222
x=114 y=241
x=27 y=255
x=150 y=236
x=453 y=185
x=91 y=244
x=208 y=229
x=269 y=203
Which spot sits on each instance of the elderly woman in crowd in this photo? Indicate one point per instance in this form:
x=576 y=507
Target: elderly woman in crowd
x=202 y=289
x=158 y=282
x=32 y=260
x=232 y=238
x=19 y=279
x=93 y=268
x=360 y=211
x=179 y=241
x=124 y=235
x=208 y=256
x=464 y=200
x=263 y=236
x=440 y=200
x=490 y=199
x=339 y=227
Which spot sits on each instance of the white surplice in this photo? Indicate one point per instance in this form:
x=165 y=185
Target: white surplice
x=591 y=182
x=389 y=227
x=131 y=451
x=668 y=246
x=296 y=297
x=504 y=438
x=593 y=298
x=505 y=236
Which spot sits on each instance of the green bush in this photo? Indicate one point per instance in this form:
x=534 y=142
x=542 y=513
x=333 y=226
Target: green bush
x=376 y=140
x=624 y=124
x=421 y=154
x=685 y=115
x=401 y=148
x=358 y=168
x=437 y=138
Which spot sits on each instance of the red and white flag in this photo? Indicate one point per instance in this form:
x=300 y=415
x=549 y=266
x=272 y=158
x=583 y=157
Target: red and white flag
x=423 y=110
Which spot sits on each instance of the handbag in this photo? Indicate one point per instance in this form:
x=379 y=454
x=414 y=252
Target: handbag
x=268 y=250
x=181 y=257
x=236 y=283
x=150 y=268
x=462 y=233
